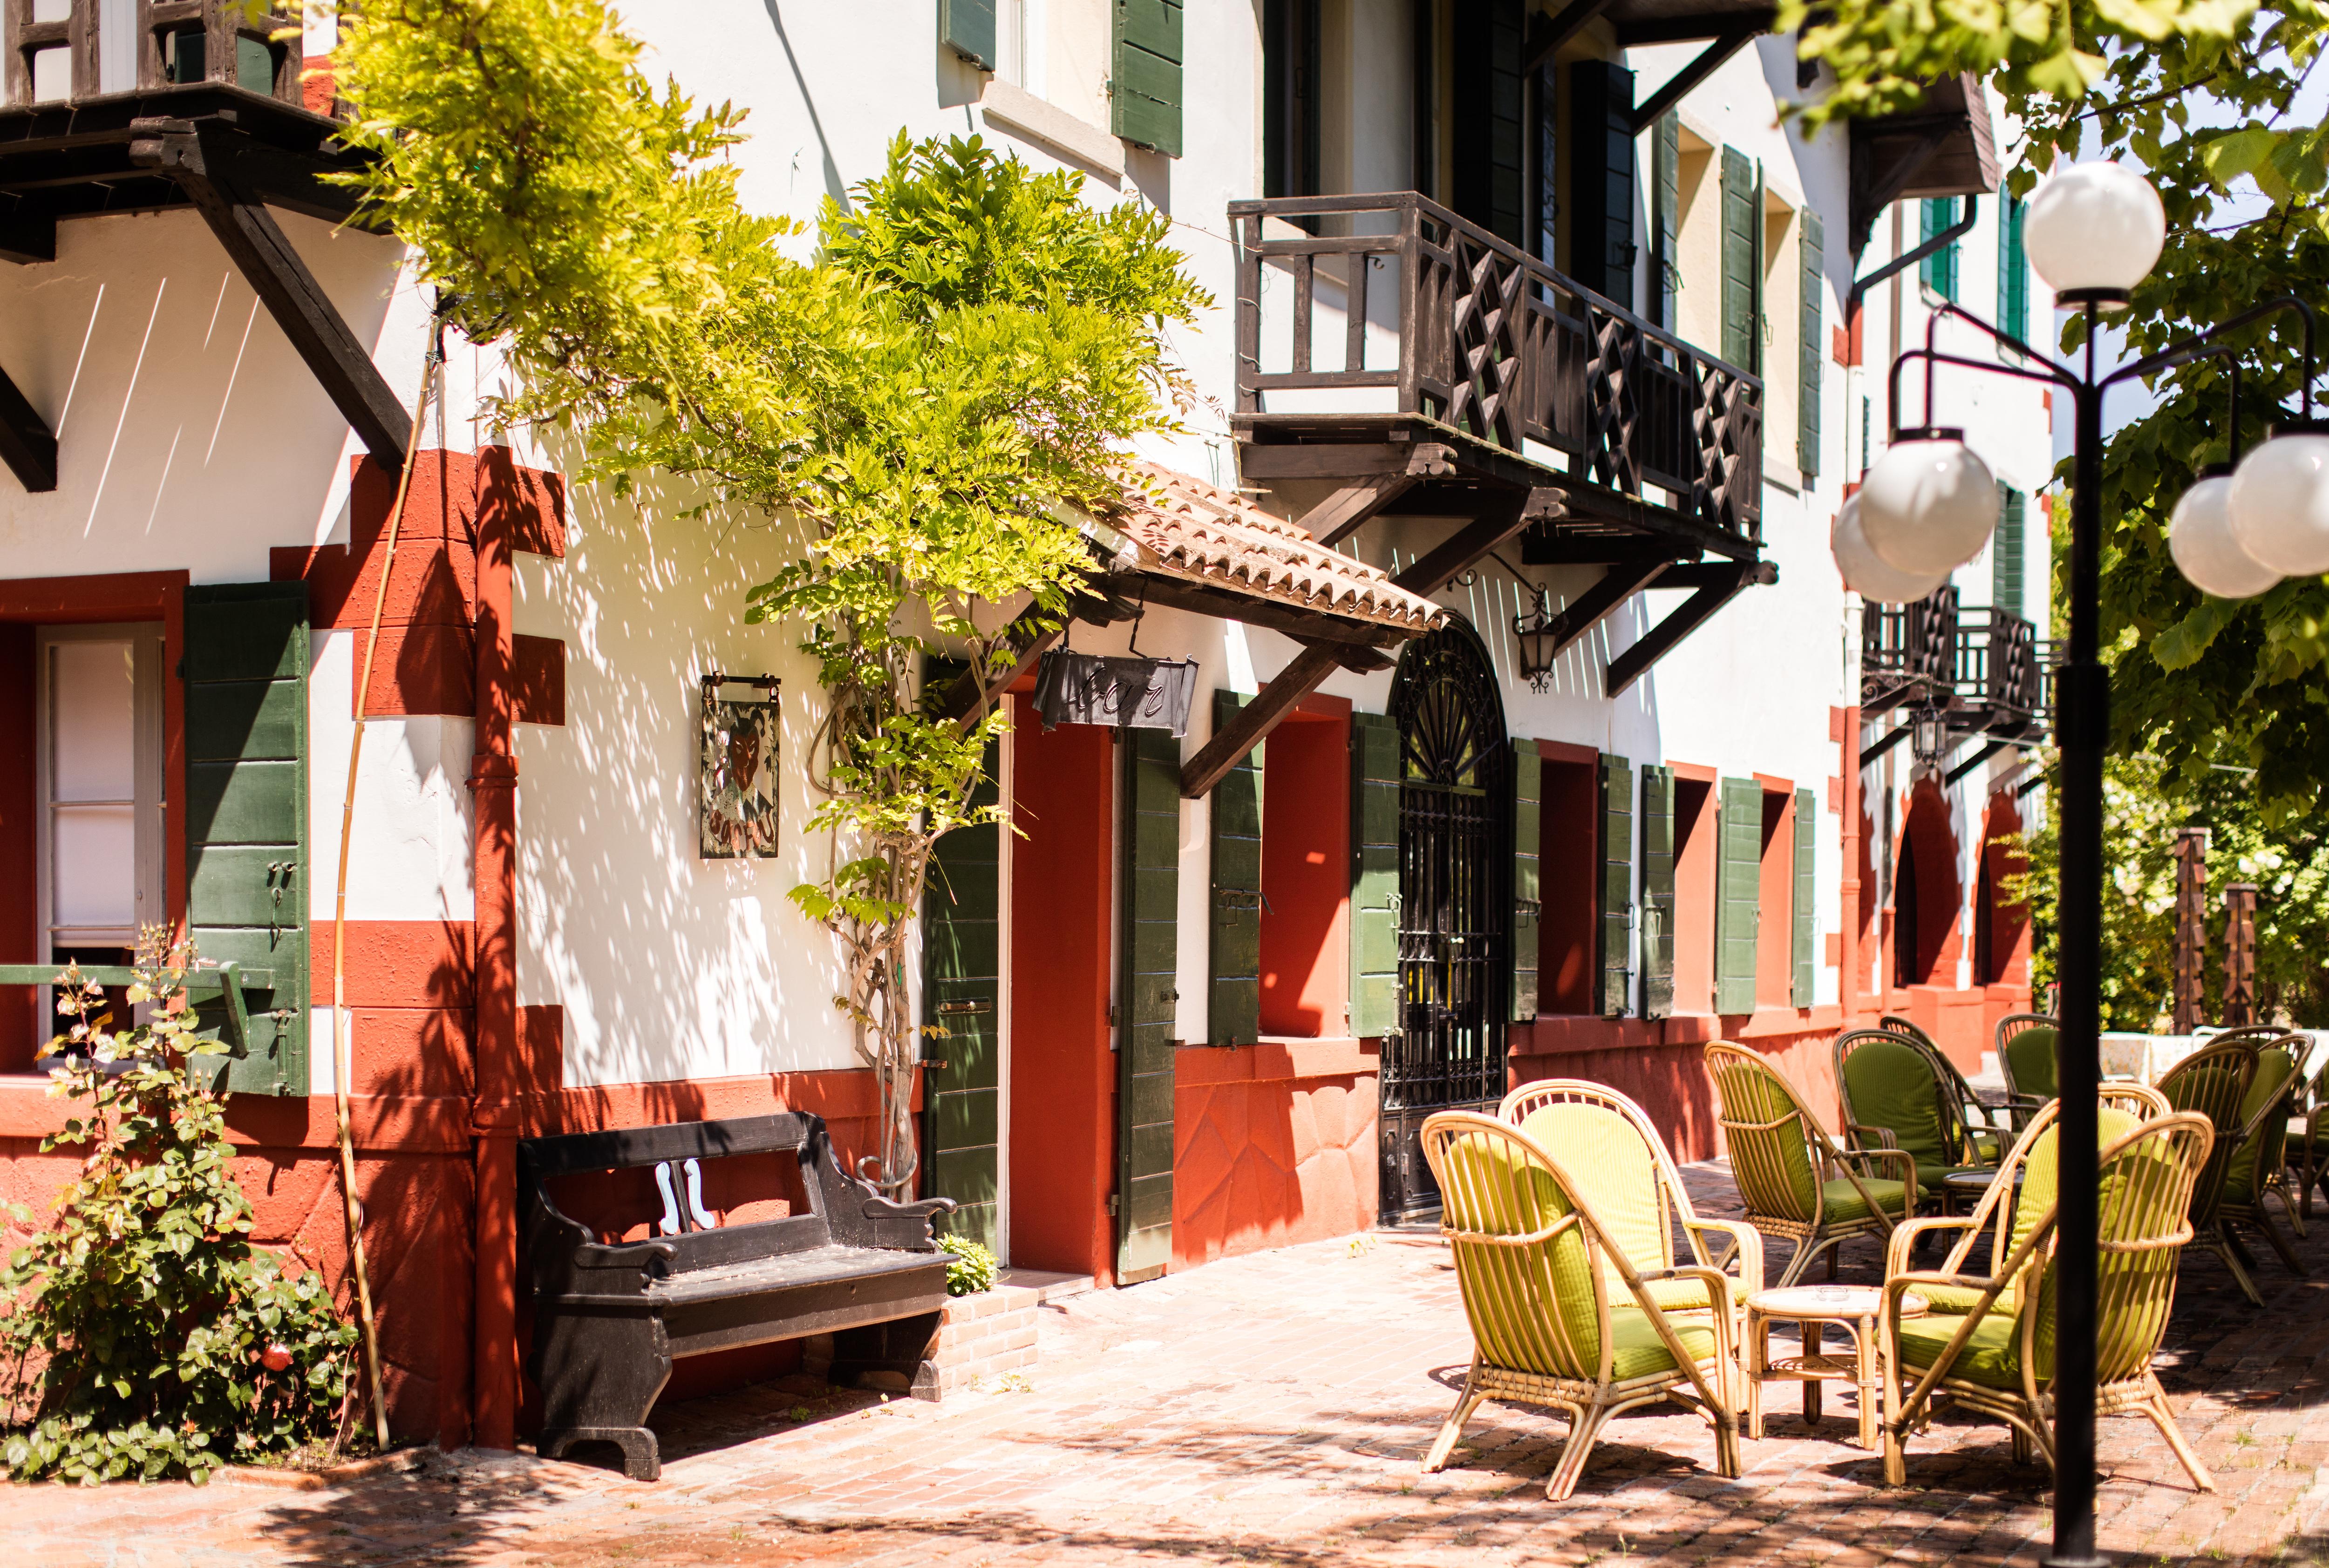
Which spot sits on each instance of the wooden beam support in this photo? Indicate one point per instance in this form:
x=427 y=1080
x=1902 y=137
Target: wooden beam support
x=1364 y=661
x=1591 y=608
x=1343 y=459
x=1684 y=28
x=1705 y=574
x=1343 y=513
x=1574 y=18
x=1703 y=64
x=1694 y=611
x=1274 y=614
x=1256 y=719
x=27 y=445
x=261 y=252
x=1455 y=554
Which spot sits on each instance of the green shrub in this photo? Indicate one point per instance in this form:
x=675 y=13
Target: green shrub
x=971 y=1268
x=146 y=1336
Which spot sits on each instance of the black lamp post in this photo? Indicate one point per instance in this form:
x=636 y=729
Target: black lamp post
x=2093 y=232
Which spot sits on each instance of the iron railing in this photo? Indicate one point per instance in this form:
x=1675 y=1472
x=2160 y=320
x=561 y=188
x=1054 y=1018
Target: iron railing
x=1496 y=343
x=1909 y=653
x=1998 y=681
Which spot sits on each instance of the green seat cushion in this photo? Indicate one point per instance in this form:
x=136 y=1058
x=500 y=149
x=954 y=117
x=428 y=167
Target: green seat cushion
x=1889 y=1083
x=1992 y=1357
x=2030 y=1057
x=1956 y=1300
x=2275 y=1068
x=1987 y=1148
x=1636 y=1351
x=1929 y=1174
x=1845 y=1203
x=1675 y=1295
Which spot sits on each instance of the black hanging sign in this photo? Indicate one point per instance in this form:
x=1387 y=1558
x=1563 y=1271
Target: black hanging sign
x=1130 y=692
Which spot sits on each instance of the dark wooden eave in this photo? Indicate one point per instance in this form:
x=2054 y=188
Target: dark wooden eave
x=1944 y=146
x=227 y=154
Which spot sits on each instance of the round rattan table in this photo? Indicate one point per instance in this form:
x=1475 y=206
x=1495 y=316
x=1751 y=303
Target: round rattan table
x=1852 y=1307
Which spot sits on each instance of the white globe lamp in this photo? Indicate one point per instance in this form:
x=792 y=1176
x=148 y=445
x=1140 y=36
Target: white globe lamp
x=1928 y=504
x=1865 y=573
x=2278 y=503
x=2093 y=232
x=2210 y=558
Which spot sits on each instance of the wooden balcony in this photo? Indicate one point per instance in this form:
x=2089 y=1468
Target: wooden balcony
x=1407 y=324
x=1982 y=674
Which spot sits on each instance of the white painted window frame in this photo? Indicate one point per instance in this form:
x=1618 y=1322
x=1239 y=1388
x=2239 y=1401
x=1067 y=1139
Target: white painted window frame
x=148 y=799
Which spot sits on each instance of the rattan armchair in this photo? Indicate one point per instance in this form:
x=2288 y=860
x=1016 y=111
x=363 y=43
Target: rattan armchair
x=1893 y=1097
x=1534 y=1264
x=2026 y=1044
x=1995 y=1356
x=1794 y=1180
x=2213 y=1081
x=2259 y=1168
x=1992 y=1127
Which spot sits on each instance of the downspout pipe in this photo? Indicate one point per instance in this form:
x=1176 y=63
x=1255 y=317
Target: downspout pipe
x=1847 y=990
x=1945 y=238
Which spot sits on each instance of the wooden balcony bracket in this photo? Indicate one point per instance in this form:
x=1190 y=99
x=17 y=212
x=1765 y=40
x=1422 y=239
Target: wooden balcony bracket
x=1717 y=584
x=1974 y=760
x=1546 y=39
x=1376 y=475
x=204 y=159
x=1703 y=64
x=1427 y=575
x=27 y=445
x=1588 y=609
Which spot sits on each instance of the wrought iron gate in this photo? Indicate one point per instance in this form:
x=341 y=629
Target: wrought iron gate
x=1454 y=911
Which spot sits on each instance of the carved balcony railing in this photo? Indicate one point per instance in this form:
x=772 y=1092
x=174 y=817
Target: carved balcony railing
x=1495 y=343
x=1998 y=682
x=1909 y=653
x=58 y=51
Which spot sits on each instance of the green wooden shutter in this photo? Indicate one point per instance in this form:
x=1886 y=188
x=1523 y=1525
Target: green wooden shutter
x=1657 y=891
x=1616 y=883
x=1939 y=270
x=1739 y=894
x=1810 y=242
x=967 y=27
x=1800 y=908
x=1667 y=277
x=1487 y=128
x=2013 y=271
x=1601 y=178
x=1151 y=890
x=1528 y=913
x=247 y=650
x=1741 y=280
x=1145 y=91
x=1375 y=875
x=1233 y=978
x=962 y=952
x=2006 y=559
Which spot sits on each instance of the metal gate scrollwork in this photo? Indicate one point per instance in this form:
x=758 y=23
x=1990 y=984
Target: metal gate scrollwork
x=1454 y=910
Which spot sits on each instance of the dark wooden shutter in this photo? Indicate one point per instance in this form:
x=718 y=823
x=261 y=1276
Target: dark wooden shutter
x=1233 y=977
x=2005 y=561
x=1486 y=116
x=1657 y=891
x=1806 y=891
x=1810 y=352
x=967 y=27
x=1739 y=876
x=2013 y=271
x=1145 y=90
x=1616 y=883
x=1741 y=280
x=1528 y=911
x=962 y=954
x=247 y=650
x=1375 y=875
x=1601 y=178
x=1151 y=892
x=1666 y=276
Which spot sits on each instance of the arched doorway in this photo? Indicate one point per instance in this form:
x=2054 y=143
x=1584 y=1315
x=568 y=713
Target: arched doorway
x=1455 y=911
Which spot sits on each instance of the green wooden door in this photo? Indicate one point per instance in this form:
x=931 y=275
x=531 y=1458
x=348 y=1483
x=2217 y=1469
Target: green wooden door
x=1617 y=884
x=1233 y=1005
x=1739 y=895
x=1375 y=875
x=1528 y=911
x=1146 y=992
x=962 y=1000
x=1657 y=891
x=247 y=650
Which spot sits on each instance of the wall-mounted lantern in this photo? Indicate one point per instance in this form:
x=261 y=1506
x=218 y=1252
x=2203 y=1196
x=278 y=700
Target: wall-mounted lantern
x=1539 y=642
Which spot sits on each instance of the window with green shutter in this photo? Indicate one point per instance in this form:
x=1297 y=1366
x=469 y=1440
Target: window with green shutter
x=1666 y=186
x=2005 y=550
x=1811 y=242
x=1939 y=271
x=2013 y=270
x=1233 y=969
x=1617 y=884
x=1528 y=907
x=1742 y=267
x=1486 y=124
x=1146 y=990
x=1375 y=875
x=967 y=27
x=1145 y=88
x=1739 y=894
x=1657 y=809
x=1805 y=893
x=962 y=952
x=247 y=650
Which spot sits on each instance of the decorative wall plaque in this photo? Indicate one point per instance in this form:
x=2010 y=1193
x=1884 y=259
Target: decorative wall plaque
x=737 y=786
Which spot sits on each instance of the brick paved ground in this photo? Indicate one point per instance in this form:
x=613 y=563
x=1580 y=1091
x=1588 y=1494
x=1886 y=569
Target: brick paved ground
x=1272 y=1409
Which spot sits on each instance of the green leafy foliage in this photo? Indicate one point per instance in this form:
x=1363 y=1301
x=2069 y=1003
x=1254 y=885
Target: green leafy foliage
x=970 y=1266
x=147 y=1337
x=928 y=401
x=2289 y=863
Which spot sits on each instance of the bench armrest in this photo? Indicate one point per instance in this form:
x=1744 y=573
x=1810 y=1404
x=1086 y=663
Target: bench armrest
x=905 y=1225
x=622 y=1255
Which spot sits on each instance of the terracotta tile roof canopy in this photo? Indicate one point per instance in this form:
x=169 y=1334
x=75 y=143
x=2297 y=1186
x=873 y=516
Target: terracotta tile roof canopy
x=1205 y=548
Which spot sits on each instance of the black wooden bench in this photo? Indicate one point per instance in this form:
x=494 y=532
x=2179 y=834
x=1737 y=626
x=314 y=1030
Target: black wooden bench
x=608 y=1318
